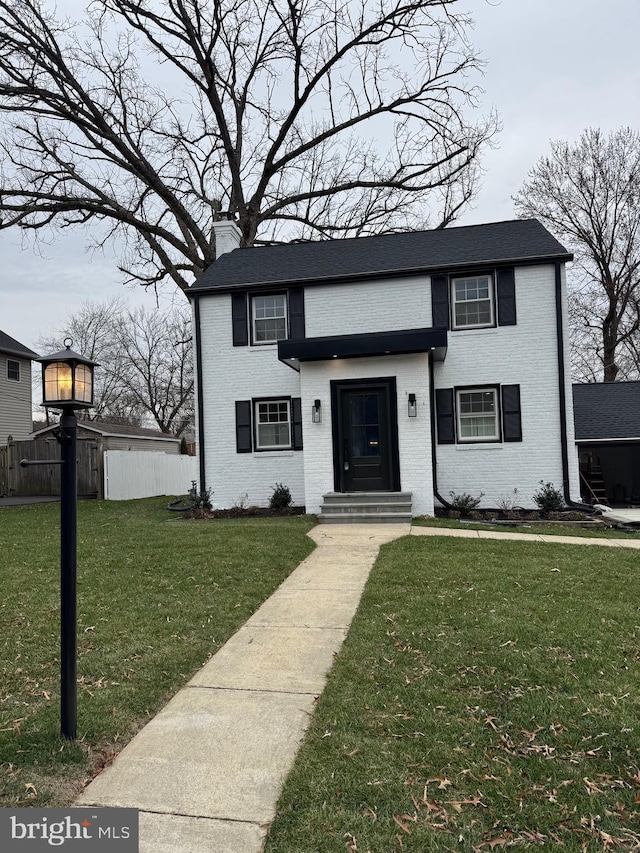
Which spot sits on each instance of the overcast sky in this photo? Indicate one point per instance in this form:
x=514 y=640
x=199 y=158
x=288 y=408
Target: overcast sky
x=555 y=67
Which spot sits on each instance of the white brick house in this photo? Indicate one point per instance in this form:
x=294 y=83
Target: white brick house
x=425 y=362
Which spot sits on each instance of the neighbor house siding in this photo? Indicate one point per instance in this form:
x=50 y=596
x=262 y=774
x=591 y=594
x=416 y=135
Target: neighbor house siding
x=526 y=355
x=242 y=373
x=112 y=442
x=15 y=400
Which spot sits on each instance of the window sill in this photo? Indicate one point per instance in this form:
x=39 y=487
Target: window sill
x=481 y=445
x=481 y=330
x=270 y=454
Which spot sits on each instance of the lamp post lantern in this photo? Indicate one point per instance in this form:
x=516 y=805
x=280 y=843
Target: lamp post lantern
x=67 y=385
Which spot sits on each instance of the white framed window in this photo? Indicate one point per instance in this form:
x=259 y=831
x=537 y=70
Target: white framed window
x=472 y=300
x=269 y=318
x=273 y=424
x=478 y=414
x=13 y=370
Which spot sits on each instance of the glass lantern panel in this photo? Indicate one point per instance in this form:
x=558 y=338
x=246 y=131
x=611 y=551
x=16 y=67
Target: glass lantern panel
x=84 y=382
x=57 y=382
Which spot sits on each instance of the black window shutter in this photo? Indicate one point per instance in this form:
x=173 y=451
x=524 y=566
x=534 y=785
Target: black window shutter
x=440 y=301
x=296 y=313
x=445 y=416
x=511 y=418
x=243 y=426
x=239 y=320
x=506 y=297
x=296 y=405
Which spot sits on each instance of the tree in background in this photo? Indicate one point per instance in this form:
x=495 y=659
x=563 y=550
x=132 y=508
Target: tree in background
x=588 y=195
x=145 y=375
x=301 y=119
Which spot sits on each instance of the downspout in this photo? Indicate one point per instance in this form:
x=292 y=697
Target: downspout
x=200 y=404
x=563 y=397
x=434 y=460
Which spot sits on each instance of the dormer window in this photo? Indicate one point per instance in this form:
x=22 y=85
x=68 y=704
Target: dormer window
x=472 y=302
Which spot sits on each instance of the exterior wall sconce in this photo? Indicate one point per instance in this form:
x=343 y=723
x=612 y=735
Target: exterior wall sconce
x=67 y=385
x=316 y=412
x=412 y=406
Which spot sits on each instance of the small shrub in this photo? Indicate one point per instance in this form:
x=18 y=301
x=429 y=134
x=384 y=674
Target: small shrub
x=281 y=497
x=507 y=502
x=548 y=498
x=464 y=502
x=241 y=502
x=202 y=500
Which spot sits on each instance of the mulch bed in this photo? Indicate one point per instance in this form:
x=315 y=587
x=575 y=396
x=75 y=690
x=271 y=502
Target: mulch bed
x=521 y=516
x=245 y=512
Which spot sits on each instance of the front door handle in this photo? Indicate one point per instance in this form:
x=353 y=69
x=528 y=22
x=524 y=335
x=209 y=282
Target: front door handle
x=346 y=454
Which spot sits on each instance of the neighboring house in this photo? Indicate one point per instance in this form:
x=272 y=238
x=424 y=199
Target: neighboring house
x=607 y=430
x=15 y=389
x=112 y=436
x=426 y=362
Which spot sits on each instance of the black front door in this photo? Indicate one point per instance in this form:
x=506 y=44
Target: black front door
x=365 y=454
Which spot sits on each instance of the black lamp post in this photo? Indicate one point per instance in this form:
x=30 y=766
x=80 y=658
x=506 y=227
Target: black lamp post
x=67 y=385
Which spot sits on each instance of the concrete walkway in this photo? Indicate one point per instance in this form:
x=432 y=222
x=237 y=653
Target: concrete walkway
x=207 y=771
x=536 y=537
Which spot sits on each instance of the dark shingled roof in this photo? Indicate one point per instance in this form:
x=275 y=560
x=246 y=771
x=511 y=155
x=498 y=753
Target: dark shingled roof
x=13 y=347
x=519 y=240
x=606 y=410
x=125 y=430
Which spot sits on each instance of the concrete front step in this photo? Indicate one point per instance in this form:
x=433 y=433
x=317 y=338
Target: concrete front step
x=367 y=497
x=373 y=507
x=366 y=507
x=365 y=518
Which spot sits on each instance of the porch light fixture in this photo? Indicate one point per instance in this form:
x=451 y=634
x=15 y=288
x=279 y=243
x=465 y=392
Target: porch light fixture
x=67 y=385
x=316 y=412
x=412 y=406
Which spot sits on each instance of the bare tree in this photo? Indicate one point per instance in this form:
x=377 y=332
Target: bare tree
x=145 y=374
x=301 y=119
x=588 y=195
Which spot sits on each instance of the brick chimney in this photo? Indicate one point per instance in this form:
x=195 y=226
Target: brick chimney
x=228 y=236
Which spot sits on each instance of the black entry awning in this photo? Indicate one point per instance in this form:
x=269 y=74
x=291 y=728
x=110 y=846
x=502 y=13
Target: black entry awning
x=364 y=345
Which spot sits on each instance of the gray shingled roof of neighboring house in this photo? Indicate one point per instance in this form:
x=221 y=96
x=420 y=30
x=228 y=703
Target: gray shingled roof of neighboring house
x=114 y=429
x=606 y=410
x=14 y=347
x=514 y=241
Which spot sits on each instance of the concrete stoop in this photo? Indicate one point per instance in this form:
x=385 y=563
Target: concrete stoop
x=366 y=508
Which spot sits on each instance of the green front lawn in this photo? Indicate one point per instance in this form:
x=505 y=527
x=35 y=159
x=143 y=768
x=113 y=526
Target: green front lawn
x=156 y=597
x=487 y=697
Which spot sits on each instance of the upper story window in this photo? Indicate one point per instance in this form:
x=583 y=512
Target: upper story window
x=269 y=318
x=478 y=411
x=273 y=424
x=472 y=302
x=13 y=370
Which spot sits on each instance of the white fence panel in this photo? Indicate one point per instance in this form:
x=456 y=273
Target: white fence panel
x=130 y=474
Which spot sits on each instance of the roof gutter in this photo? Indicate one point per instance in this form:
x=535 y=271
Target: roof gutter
x=434 y=460
x=199 y=400
x=562 y=394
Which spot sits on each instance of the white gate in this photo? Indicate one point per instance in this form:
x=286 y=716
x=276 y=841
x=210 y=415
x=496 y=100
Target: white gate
x=130 y=474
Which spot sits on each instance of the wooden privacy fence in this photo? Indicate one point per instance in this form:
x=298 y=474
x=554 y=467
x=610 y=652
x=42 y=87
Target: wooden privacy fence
x=45 y=479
